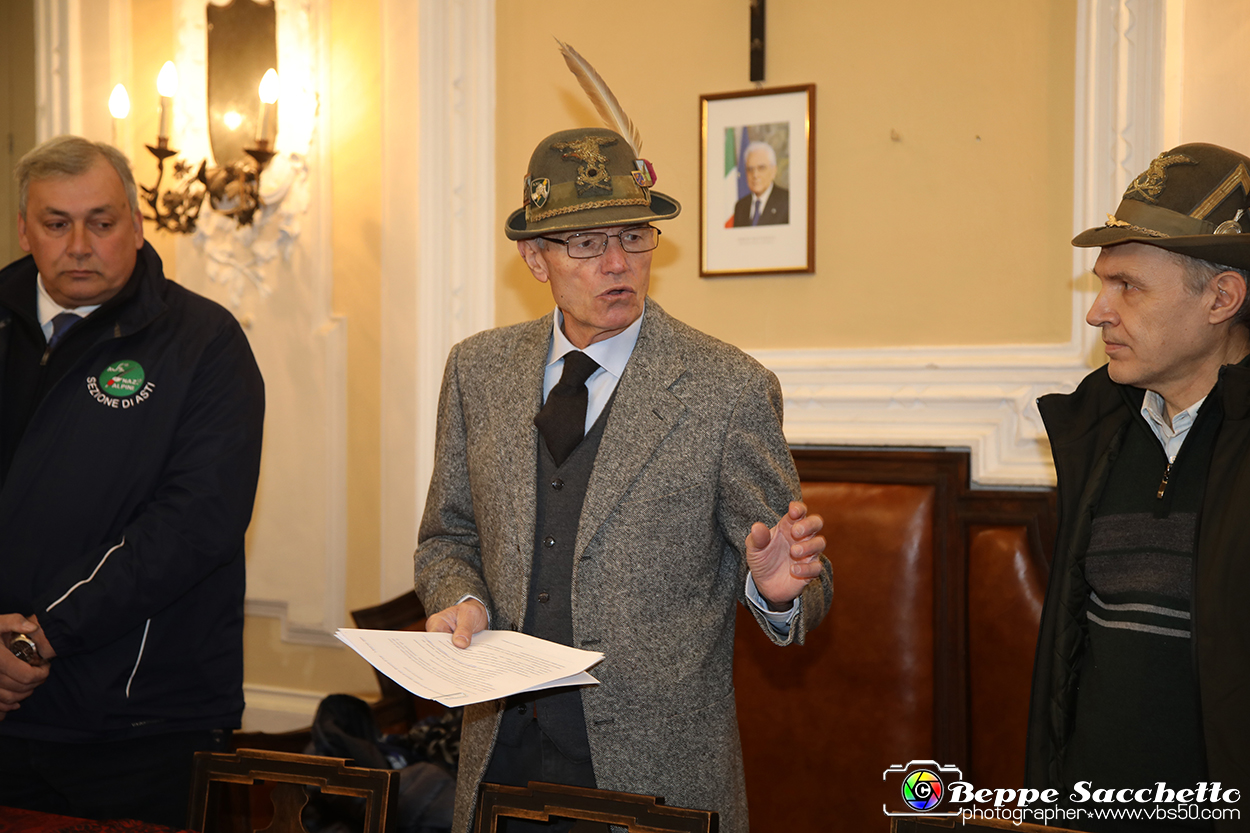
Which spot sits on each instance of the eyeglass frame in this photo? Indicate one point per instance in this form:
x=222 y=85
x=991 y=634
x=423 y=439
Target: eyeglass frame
x=607 y=241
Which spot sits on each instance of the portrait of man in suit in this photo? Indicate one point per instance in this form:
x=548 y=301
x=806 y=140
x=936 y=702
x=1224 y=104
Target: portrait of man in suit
x=767 y=204
x=610 y=478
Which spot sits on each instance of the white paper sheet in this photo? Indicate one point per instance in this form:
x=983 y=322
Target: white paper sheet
x=495 y=665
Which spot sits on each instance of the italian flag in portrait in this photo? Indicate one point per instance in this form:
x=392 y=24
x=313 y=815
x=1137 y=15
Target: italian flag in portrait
x=732 y=175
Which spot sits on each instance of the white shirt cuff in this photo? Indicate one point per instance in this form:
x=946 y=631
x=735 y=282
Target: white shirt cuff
x=780 y=620
x=468 y=596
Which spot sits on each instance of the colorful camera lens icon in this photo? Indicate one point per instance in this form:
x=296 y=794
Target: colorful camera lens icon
x=922 y=790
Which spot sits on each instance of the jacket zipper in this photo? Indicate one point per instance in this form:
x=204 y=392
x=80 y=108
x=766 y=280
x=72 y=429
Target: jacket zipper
x=1163 y=484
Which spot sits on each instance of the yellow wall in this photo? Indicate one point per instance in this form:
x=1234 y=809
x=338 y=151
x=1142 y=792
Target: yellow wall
x=954 y=234
x=1213 y=97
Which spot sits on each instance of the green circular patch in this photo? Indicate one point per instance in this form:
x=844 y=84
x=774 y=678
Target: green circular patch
x=123 y=378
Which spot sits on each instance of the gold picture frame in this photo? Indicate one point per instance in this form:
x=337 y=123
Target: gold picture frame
x=757 y=181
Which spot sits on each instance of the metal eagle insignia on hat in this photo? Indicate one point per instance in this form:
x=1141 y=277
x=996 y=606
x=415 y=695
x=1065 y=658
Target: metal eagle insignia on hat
x=593 y=172
x=1150 y=184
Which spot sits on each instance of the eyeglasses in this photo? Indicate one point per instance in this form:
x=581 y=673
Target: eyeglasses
x=584 y=244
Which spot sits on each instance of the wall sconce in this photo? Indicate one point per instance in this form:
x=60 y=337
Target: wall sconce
x=242 y=54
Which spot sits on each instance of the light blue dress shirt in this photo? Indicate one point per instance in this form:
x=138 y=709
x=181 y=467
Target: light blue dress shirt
x=1171 y=434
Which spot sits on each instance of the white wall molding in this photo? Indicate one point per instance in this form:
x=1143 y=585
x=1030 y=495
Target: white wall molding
x=977 y=398
x=291 y=631
x=277 y=709
x=438 y=259
x=280 y=285
x=56 y=51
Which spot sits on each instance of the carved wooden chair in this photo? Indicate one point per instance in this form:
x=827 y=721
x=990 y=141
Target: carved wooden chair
x=543 y=802
x=291 y=773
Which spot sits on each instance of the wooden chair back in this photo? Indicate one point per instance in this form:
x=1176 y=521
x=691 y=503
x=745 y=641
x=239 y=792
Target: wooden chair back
x=292 y=773
x=543 y=802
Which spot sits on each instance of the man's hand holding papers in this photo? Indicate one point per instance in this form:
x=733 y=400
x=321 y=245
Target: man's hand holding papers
x=496 y=665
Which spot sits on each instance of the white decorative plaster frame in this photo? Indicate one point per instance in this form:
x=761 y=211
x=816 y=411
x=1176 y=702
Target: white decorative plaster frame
x=438 y=232
x=73 y=74
x=277 y=278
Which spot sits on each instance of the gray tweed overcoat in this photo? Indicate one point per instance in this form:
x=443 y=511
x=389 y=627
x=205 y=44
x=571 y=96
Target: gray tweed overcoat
x=692 y=455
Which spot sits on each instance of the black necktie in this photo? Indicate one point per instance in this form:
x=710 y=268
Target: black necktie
x=61 y=322
x=562 y=421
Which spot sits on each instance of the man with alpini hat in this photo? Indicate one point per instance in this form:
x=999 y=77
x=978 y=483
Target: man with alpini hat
x=1142 y=675
x=606 y=477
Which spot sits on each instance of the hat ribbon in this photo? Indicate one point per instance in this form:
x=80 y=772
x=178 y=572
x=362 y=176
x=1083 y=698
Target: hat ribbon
x=1156 y=221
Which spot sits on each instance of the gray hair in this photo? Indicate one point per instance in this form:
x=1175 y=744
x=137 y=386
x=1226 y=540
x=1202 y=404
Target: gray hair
x=1199 y=272
x=71 y=156
x=764 y=146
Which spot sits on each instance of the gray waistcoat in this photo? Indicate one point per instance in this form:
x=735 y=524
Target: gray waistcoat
x=549 y=612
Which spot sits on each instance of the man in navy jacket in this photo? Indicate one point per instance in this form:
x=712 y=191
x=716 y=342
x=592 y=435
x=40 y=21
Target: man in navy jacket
x=130 y=433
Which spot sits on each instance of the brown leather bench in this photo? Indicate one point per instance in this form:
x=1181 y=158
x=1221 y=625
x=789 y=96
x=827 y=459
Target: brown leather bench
x=926 y=654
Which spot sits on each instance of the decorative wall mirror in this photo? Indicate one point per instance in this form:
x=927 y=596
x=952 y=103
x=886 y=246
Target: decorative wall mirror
x=242 y=47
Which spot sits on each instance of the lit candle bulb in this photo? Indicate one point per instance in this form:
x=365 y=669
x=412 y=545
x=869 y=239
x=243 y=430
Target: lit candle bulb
x=119 y=108
x=167 y=86
x=119 y=102
x=268 y=96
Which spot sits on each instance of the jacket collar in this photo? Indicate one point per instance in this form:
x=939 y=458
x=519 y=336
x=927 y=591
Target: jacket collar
x=139 y=303
x=1234 y=388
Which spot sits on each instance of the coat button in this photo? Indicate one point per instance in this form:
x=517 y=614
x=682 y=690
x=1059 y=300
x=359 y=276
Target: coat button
x=557 y=484
x=549 y=541
x=544 y=597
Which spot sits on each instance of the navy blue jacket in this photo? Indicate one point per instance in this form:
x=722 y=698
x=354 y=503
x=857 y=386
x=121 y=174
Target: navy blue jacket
x=123 y=511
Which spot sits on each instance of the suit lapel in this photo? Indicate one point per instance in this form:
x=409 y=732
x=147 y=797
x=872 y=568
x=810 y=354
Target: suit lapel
x=513 y=405
x=644 y=412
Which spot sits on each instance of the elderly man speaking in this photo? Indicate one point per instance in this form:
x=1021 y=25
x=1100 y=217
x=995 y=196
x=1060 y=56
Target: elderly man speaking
x=606 y=477
x=1143 y=663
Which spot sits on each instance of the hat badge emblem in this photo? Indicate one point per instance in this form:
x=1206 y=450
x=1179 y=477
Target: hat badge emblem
x=1150 y=184
x=537 y=190
x=592 y=174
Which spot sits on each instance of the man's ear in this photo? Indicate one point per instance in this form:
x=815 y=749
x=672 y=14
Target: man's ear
x=22 y=240
x=1230 y=294
x=137 y=220
x=533 y=257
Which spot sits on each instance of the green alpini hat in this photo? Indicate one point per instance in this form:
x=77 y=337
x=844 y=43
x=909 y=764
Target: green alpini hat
x=590 y=177
x=587 y=178
x=1193 y=200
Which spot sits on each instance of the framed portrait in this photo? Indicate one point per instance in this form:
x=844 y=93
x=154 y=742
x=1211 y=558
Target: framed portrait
x=757 y=178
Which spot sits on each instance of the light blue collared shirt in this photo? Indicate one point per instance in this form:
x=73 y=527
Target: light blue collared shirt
x=612 y=354
x=1172 y=435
